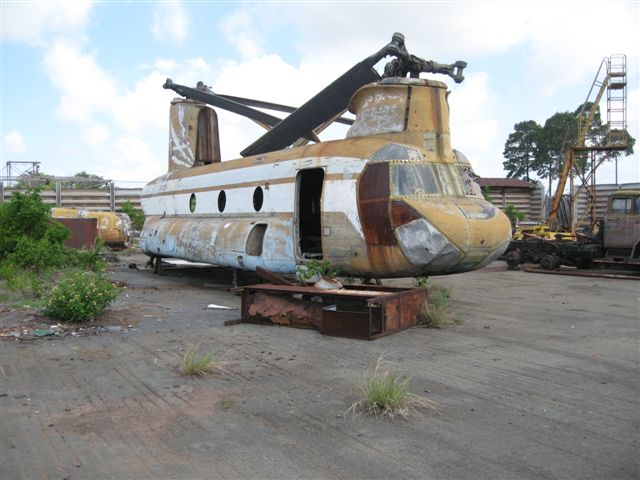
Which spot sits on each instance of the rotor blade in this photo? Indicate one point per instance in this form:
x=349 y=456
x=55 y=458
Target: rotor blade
x=222 y=102
x=325 y=105
x=275 y=106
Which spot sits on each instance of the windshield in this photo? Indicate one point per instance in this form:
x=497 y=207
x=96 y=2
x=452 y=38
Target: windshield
x=424 y=179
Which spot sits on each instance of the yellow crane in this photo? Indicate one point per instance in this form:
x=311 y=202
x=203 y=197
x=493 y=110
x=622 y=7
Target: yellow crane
x=611 y=79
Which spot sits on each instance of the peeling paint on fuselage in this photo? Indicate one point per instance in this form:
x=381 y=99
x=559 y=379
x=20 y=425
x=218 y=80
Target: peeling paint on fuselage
x=207 y=213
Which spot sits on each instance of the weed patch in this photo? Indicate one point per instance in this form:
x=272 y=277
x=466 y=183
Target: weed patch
x=386 y=393
x=436 y=312
x=199 y=365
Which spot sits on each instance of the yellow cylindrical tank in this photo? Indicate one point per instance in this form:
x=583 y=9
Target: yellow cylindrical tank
x=114 y=228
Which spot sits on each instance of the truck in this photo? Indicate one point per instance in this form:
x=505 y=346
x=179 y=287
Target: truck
x=615 y=243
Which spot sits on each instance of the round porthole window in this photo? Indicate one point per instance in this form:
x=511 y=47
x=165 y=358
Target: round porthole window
x=222 y=201
x=258 y=198
x=192 y=202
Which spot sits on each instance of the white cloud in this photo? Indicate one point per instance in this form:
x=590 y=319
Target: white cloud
x=568 y=43
x=85 y=87
x=145 y=106
x=31 y=21
x=97 y=134
x=241 y=32
x=14 y=142
x=431 y=28
x=474 y=127
x=170 y=22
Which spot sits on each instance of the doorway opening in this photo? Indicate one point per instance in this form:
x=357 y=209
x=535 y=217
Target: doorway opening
x=309 y=190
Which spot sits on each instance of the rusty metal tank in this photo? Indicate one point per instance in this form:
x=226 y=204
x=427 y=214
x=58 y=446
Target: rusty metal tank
x=114 y=228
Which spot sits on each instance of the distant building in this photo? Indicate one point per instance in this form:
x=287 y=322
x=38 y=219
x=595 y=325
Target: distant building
x=528 y=197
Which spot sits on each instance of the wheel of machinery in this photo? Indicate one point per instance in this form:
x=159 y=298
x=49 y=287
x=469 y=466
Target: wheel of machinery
x=549 y=262
x=584 y=263
x=513 y=259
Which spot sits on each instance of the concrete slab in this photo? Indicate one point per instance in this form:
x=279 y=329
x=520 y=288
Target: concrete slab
x=540 y=381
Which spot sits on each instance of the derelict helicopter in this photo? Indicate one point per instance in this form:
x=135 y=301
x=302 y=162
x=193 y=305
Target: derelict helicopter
x=392 y=199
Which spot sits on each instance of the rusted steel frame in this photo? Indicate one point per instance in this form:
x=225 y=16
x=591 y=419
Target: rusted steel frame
x=351 y=313
x=280 y=309
x=581 y=273
x=295 y=289
x=399 y=310
x=272 y=278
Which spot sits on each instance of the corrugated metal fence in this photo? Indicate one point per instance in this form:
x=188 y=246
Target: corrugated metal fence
x=527 y=200
x=89 y=199
x=531 y=201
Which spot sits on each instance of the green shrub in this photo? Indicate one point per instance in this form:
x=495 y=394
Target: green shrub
x=32 y=240
x=25 y=215
x=38 y=254
x=313 y=268
x=80 y=296
x=513 y=214
x=135 y=215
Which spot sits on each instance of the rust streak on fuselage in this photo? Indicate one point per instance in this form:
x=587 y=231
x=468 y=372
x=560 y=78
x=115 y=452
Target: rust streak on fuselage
x=387 y=201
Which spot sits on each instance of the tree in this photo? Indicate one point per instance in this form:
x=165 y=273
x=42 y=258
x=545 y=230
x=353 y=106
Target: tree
x=557 y=135
x=544 y=149
x=98 y=180
x=520 y=150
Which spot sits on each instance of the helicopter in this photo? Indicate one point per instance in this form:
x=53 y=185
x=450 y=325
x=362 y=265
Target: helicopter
x=392 y=199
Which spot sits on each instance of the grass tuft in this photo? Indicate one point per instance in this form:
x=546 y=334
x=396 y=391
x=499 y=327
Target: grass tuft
x=199 y=365
x=386 y=393
x=435 y=312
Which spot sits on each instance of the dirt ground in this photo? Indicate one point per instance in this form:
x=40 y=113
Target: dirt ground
x=541 y=381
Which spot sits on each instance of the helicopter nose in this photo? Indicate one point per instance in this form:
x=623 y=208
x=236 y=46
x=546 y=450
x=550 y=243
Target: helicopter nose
x=438 y=235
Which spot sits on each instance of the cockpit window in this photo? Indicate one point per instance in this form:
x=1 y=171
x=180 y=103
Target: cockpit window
x=413 y=179
x=469 y=181
x=424 y=179
x=449 y=179
x=467 y=175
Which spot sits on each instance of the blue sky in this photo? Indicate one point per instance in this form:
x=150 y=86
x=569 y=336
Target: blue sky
x=81 y=82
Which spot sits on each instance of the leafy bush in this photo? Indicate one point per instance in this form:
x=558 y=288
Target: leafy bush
x=32 y=240
x=315 y=268
x=80 y=296
x=513 y=214
x=136 y=215
x=24 y=216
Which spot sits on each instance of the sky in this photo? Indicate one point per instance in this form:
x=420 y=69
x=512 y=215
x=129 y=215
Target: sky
x=81 y=82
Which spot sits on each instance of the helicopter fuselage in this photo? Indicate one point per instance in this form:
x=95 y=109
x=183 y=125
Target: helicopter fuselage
x=391 y=200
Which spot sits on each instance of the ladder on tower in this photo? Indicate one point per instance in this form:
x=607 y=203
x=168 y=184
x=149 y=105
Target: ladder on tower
x=617 y=102
x=611 y=79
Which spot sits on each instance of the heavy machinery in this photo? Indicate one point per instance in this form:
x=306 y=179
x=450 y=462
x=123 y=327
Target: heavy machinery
x=580 y=240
